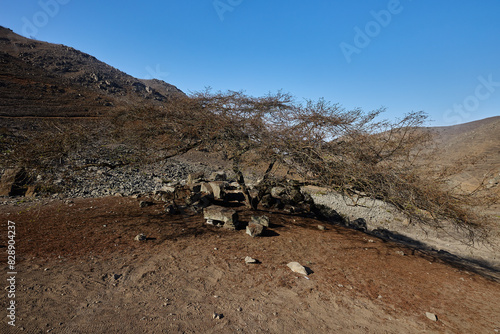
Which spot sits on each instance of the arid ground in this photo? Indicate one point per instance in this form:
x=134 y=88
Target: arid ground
x=81 y=271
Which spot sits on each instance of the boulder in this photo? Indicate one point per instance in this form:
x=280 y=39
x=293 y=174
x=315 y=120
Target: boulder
x=206 y=188
x=255 y=230
x=217 y=213
x=262 y=220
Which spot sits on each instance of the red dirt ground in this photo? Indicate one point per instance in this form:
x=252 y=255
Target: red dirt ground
x=80 y=271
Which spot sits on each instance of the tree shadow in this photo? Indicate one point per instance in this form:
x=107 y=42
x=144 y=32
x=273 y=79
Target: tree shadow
x=480 y=267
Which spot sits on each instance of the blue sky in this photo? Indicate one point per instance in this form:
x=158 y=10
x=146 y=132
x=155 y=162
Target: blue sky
x=442 y=57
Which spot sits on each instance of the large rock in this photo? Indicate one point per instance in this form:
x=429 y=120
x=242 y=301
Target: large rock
x=255 y=230
x=220 y=214
x=218 y=189
x=206 y=188
x=262 y=220
x=12 y=181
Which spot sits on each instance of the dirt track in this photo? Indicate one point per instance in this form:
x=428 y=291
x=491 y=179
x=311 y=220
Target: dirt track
x=80 y=271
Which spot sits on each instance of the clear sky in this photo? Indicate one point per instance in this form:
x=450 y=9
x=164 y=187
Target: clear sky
x=442 y=57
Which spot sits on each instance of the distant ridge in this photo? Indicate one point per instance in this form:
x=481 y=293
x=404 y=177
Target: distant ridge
x=45 y=79
x=478 y=138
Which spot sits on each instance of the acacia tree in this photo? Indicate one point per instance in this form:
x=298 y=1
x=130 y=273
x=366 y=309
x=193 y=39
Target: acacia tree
x=350 y=151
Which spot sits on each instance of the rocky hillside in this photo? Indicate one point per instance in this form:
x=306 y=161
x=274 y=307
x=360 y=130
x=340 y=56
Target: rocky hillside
x=479 y=138
x=44 y=79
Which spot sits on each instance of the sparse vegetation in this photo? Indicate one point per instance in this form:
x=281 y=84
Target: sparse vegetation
x=350 y=151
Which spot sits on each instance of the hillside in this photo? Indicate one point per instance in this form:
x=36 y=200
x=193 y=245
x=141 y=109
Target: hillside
x=44 y=79
x=479 y=138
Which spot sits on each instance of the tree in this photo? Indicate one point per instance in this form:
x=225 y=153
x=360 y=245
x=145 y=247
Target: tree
x=350 y=151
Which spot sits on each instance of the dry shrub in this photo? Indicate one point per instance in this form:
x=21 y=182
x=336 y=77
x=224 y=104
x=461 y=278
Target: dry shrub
x=350 y=151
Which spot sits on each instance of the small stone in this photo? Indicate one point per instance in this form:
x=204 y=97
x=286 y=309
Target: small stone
x=218 y=189
x=400 y=253
x=431 y=316
x=217 y=316
x=140 y=237
x=321 y=227
x=297 y=268
x=249 y=260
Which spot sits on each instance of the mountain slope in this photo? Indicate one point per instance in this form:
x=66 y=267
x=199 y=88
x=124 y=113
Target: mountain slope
x=479 y=138
x=44 y=79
